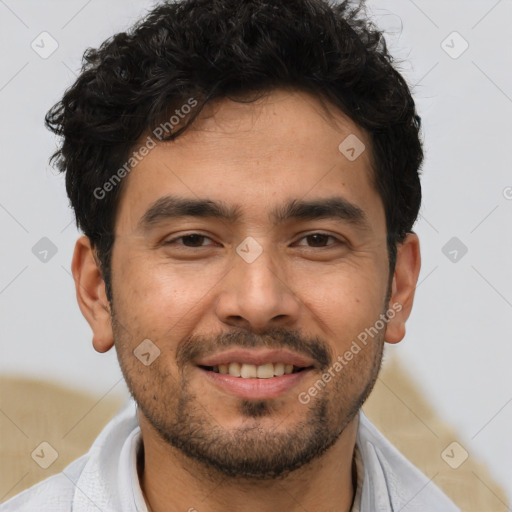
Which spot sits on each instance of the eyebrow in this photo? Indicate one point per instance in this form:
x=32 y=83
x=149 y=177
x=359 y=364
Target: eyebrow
x=175 y=207
x=337 y=208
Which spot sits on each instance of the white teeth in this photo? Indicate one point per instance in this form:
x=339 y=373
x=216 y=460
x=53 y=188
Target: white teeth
x=278 y=369
x=252 y=371
x=265 y=371
x=248 y=371
x=234 y=369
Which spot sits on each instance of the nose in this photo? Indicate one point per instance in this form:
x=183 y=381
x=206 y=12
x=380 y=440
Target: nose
x=256 y=297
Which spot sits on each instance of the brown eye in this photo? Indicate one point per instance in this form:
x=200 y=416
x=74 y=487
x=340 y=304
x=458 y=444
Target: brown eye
x=192 y=240
x=319 y=240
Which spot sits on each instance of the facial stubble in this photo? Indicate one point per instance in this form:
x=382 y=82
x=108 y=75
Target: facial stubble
x=253 y=450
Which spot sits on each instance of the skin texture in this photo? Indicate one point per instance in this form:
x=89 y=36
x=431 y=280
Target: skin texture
x=203 y=447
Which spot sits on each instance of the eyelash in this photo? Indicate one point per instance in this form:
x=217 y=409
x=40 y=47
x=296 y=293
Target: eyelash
x=174 y=240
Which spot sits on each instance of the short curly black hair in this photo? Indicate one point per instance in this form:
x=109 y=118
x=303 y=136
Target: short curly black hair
x=209 y=49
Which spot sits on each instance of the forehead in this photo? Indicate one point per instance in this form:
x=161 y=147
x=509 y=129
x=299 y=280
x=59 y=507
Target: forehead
x=286 y=145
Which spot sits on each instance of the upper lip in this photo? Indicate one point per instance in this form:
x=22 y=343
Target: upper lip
x=256 y=357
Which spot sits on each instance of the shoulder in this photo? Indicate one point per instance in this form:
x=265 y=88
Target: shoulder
x=95 y=474
x=387 y=470
x=55 y=494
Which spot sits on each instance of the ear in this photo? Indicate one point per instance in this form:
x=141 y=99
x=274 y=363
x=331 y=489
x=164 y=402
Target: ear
x=90 y=294
x=405 y=278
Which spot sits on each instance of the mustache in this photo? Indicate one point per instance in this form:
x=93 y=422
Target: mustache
x=196 y=346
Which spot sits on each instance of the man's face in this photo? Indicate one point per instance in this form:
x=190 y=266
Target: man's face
x=298 y=291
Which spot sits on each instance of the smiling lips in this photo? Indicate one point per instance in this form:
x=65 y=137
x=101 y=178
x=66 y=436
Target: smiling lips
x=252 y=371
x=260 y=364
x=255 y=374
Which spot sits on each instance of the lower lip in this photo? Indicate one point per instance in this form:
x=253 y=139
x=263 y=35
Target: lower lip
x=255 y=389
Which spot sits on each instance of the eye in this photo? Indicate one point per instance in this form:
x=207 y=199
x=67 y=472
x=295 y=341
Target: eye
x=190 y=240
x=319 y=240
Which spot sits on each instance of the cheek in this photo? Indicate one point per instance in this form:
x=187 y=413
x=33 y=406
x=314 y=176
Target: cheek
x=155 y=298
x=343 y=302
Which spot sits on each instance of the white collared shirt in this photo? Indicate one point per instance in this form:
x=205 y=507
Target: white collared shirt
x=105 y=479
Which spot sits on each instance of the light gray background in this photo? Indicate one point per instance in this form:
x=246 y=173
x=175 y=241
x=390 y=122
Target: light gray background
x=458 y=345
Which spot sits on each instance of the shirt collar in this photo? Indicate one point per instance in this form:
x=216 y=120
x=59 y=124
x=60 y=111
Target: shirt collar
x=109 y=480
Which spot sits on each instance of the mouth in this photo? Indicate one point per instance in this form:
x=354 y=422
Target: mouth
x=255 y=375
x=252 y=371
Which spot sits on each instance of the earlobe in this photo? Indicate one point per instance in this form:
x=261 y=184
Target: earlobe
x=90 y=294
x=405 y=278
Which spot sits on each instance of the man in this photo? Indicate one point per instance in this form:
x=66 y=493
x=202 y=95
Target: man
x=246 y=176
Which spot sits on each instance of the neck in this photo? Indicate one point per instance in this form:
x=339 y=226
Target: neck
x=172 y=481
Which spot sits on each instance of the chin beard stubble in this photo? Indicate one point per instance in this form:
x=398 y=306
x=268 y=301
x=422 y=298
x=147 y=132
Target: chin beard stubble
x=251 y=451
